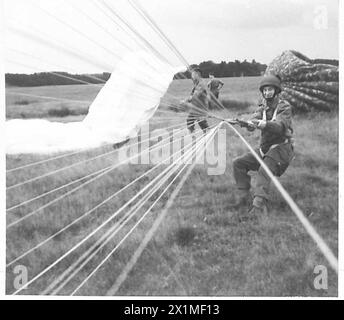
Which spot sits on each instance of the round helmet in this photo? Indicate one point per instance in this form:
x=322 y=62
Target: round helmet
x=270 y=80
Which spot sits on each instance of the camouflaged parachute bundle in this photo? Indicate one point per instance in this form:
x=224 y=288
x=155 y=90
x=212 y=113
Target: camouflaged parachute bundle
x=307 y=84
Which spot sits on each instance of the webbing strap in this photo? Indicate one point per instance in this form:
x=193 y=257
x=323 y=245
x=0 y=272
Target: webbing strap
x=274 y=116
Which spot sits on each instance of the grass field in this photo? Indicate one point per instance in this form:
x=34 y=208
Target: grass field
x=202 y=248
x=28 y=106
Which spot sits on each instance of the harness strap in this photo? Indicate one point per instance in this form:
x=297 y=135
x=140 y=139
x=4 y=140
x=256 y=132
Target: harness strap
x=274 y=116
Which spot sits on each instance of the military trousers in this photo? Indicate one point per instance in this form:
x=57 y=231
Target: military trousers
x=277 y=160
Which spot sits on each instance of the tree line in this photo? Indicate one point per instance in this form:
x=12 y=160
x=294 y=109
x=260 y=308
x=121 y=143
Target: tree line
x=221 y=70
x=227 y=69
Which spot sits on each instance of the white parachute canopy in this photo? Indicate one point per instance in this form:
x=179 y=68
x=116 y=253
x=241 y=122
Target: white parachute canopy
x=127 y=100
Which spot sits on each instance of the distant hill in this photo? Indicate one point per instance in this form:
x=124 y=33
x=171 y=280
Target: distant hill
x=52 y=79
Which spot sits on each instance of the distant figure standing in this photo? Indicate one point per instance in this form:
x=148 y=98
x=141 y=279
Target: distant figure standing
x=197 y=102
x=215 y=85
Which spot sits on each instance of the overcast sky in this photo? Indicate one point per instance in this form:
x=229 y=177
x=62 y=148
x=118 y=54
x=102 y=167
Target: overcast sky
x=85 y=35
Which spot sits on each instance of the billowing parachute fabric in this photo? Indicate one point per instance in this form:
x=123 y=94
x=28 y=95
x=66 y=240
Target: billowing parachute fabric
x=307 y=84
x=127 y=100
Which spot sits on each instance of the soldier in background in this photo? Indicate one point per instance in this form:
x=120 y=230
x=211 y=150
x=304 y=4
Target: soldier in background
x=215 y=85
x=198 y=102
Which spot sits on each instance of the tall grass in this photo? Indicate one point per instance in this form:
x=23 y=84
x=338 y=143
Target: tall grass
x=203 y=247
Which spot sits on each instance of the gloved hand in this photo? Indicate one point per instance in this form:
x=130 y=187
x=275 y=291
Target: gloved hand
x=259 y=124
x=186 y=101
x=251 y=126
x=243 y=124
